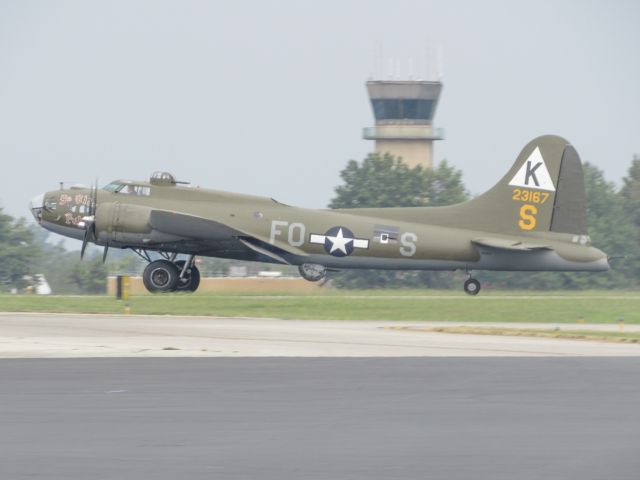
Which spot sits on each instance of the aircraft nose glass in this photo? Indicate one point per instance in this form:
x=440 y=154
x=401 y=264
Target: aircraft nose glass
x=35 y=205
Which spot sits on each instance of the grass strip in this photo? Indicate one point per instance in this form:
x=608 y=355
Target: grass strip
x=590 y=335
x=599 y=307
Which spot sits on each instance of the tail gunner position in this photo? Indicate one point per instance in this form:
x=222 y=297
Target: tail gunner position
x=534 y=219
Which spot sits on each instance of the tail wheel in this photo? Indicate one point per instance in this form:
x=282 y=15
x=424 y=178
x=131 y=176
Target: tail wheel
x=472 y=286
x=191 y=279
x=160 y=276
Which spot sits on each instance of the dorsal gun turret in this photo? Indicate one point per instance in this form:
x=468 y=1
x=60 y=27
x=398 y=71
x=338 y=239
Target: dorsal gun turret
x=164 y=179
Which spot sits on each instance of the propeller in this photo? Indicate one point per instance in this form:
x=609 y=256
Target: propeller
x=89 y=221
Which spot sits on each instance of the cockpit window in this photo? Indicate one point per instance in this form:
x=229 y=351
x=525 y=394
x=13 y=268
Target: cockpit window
x=113 y=187
x=128 y=189
x=135 y=190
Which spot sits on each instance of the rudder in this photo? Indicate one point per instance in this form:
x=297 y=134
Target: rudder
x=569 y=207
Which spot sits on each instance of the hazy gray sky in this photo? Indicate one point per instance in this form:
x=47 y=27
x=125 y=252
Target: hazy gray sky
x=269 y=98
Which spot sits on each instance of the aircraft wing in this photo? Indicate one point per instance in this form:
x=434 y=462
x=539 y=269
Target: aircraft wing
x=202 y=229
x=508 y=245
x=188 y=226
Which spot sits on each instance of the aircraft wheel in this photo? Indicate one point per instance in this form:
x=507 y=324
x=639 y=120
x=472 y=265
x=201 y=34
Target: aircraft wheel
x=160 y=276
x=312 y=272
x=472 y=286
x=191 y=279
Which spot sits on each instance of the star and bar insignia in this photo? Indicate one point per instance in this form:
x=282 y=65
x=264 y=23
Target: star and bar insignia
x=339 y=241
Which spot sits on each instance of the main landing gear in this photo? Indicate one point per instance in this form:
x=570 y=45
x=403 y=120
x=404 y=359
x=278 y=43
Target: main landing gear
x=471 y=285
x=169 y=275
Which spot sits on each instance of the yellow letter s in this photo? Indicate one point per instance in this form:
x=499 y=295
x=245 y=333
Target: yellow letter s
x=527 y=217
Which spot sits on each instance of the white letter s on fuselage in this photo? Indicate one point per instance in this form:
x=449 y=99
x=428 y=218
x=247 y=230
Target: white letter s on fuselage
x=408 y=241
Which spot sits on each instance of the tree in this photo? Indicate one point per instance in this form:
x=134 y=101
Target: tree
x=445 y=185
x=65 y=272
x=631 y=191
x=17 y=252
x=380 y=181
x=631 y=202
x=90 y=276
x=386 y=181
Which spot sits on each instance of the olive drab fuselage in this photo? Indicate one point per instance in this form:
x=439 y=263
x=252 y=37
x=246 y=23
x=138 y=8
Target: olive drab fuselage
x=534 y=219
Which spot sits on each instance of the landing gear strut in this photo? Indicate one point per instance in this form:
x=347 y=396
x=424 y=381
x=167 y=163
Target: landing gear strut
x=169 y=275
x=189 y=279
x=472 y=286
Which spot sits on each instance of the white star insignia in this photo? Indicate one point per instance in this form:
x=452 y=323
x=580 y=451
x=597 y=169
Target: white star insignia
x=339 y=242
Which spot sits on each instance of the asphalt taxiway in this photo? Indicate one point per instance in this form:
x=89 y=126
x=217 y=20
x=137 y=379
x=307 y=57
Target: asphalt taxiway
x=304 y=418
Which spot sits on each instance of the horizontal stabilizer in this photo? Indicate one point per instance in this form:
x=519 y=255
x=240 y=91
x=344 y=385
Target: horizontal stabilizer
x=509 y=245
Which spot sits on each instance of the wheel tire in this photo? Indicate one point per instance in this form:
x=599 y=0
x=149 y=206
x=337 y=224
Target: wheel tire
x=472 y=286
x=191 y=280
x=312 y=272
x=160 y=276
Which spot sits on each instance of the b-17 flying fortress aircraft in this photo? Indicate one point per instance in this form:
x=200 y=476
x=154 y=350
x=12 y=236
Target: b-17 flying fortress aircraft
x=534 y=219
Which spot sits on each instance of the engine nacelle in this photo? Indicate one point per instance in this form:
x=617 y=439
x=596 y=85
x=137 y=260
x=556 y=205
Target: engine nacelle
x=115 y=219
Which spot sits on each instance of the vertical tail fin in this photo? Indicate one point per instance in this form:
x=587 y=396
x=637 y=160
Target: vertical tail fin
x=542 y=192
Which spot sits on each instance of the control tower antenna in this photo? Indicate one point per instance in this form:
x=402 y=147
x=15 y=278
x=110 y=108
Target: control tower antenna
x=440 y=72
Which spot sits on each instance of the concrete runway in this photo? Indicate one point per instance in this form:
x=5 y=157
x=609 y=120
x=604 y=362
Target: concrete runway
x=330 y=418
x=308 y=418
x=68 y=336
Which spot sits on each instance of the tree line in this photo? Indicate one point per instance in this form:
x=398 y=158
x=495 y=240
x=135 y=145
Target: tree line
x=26 y=252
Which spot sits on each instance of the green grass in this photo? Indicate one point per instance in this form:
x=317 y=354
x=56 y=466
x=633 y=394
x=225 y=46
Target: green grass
x=590 y=335
x=560 y=307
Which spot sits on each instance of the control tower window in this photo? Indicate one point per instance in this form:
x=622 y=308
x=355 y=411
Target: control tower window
x=402 y=109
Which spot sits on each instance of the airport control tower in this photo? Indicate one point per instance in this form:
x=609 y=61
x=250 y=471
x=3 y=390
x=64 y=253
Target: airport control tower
x=404 y=113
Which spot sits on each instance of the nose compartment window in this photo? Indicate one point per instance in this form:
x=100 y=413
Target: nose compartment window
x=50 y=203
x=80 y=209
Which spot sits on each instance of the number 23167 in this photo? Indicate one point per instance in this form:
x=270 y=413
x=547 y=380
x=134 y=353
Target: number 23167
x=531 y=196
